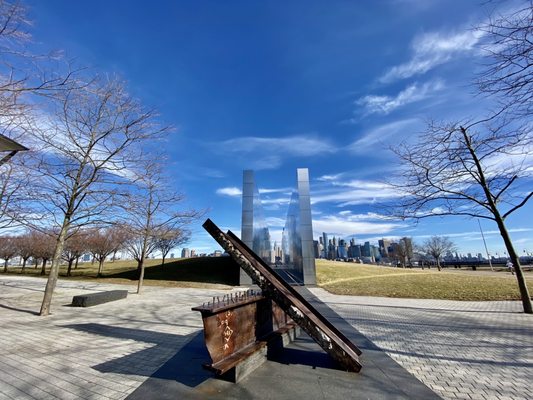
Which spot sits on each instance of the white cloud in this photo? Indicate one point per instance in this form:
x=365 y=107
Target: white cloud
x=432 y=49
x=275 y=190
x=269 y=153
x=327 y=178
x=229 y=191
x=334 y=225
x=292 y=145
x=382 y=134
x=354 y=192
x=413 y=93
x=476 y=235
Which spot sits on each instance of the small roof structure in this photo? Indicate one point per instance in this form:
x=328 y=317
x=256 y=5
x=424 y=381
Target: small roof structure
x=7 y=144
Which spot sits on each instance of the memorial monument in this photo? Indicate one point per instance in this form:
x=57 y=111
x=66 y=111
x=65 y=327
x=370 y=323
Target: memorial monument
x=296 y=263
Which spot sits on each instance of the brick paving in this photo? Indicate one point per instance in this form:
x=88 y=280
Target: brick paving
x=461 y=350
x=102 y=352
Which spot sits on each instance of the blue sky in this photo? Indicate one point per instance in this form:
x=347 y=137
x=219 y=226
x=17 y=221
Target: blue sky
x=273 y=86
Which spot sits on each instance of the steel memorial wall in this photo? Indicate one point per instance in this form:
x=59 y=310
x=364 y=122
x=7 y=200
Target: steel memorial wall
x=293 y=259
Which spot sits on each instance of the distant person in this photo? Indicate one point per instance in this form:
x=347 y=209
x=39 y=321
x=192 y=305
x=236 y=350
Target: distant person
x=510 y=267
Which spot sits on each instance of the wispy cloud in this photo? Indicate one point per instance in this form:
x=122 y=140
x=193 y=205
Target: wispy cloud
x=432 y=49
x=269 y=152
x=373 y=104
x=382 y=133
x=302 y=146
x=275 y=190
x=327 y=178
x=354 y=192
x=229 y=191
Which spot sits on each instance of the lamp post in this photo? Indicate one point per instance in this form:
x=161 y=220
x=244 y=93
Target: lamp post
x=485 y=243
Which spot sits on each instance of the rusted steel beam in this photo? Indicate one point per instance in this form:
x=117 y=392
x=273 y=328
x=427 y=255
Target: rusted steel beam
x=237 y=329
x=289 y=300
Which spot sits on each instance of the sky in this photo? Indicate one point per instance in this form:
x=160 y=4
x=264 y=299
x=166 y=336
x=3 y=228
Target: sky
x=278 y=85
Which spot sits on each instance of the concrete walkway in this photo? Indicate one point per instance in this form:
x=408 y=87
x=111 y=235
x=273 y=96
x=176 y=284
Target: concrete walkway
x=458 y=349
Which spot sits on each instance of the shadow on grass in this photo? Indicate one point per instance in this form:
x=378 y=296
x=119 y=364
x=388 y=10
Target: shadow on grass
x=221 y=270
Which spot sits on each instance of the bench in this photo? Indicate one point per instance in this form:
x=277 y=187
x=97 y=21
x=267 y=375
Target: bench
x=93 y=299
x=240 y=329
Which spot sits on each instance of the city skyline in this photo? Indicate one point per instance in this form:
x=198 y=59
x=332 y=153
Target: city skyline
x=274 y=87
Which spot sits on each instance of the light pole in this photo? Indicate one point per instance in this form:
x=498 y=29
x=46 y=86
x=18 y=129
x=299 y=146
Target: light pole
x=485 y=243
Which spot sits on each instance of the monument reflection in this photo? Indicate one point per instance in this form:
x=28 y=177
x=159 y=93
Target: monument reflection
x=294 y=259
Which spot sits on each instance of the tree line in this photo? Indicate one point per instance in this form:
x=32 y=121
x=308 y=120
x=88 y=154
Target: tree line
x=101 y=243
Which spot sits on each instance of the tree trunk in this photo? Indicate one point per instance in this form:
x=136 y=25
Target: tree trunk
x=522 y=286
x=140 y=267
x=5 y=265
x=438 y=264
x=54 y=269
x=524 y=293
x=100 y=266
x=69 y=269
x=43 y=267
x=76 y=265
x=163 y=263
x=23 y=264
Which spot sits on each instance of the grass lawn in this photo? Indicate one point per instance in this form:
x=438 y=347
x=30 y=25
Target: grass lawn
x=372 y=280
x=335 y=277
x=191 y=272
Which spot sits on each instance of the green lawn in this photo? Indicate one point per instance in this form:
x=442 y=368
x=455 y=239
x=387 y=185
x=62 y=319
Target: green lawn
x=371 y=280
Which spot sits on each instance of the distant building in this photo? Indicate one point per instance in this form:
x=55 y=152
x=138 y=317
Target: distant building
x=384 y=245
x=316 y=248
x=325 y=244
x=342 y=250
x=185 y=253
x=367 y=252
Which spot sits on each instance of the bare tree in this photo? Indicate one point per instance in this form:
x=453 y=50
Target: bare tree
x=94 y=139
x=170 y=239
x=43 y=244
x=24 y=248
x=152 y=209
x=508 y=73
x=8 y=249
x=74 y=248
x=436 y=247
x=481 y=169
x=25 y=79
x=103 y=242
x=478 y=171
x=120 y=235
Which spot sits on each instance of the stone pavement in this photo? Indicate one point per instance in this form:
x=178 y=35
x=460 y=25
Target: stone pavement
x=459 y=349
x=462 y=350
x=89 y=353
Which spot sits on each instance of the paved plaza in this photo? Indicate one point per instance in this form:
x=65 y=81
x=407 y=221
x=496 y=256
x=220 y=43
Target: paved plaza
x=460 y=350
